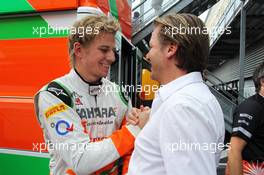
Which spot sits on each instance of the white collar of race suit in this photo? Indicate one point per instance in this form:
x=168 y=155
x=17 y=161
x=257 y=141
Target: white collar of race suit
x=92 y=88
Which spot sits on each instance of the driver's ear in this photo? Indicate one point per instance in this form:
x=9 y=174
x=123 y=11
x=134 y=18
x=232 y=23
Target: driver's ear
x=77 y=47
x=172 y=49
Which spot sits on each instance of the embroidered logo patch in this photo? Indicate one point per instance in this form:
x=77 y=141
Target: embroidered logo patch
x=55 y=109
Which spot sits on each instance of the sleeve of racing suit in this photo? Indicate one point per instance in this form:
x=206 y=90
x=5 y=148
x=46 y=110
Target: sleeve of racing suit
x=63 y=127
x=246 y=120
x=126 y=158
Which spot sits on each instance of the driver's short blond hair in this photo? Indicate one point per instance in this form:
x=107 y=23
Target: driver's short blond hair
x=85 y=30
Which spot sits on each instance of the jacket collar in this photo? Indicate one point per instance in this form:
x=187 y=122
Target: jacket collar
x=82 y=79
x=91 y=88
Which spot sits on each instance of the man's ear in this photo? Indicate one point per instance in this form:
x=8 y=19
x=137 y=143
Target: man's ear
x=262 y=82
x=262 y=85
x=77 y=47
x=172 y=49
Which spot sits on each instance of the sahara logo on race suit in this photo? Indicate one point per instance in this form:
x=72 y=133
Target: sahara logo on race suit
x=62 y=127
x=55 y=109
x=96 y=112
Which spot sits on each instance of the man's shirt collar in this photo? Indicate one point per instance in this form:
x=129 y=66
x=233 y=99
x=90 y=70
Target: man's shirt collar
x=168 y=89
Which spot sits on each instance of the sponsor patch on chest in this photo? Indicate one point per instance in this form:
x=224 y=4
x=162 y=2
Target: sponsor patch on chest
x=96 y=112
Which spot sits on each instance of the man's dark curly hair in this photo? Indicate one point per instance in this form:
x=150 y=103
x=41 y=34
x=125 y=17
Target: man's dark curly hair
x=258 y=76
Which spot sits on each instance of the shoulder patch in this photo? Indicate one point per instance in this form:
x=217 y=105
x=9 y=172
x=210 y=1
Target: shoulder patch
x=60 y=92
x=124 y=95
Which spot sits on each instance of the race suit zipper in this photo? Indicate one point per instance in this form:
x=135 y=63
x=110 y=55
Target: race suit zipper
x=95 y=99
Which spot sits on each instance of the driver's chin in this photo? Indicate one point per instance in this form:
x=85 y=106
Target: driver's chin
x=103 y=74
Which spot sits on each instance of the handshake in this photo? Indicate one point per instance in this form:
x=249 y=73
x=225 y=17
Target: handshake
x=138 y=117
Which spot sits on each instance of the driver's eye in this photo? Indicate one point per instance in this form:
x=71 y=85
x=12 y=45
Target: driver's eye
x=104 y=50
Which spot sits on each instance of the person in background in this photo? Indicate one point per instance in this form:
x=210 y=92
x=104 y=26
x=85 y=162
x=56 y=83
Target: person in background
x=136 y=21
x=246 y=155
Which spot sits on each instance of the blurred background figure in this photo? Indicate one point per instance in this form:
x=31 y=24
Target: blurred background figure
x=247 y=141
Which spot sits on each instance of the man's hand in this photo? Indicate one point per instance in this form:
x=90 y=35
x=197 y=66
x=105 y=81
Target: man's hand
x=139 y=116
x=132 y=118
x=143 y=116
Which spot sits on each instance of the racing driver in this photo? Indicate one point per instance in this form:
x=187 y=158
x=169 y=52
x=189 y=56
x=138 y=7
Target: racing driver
x=83 y=121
